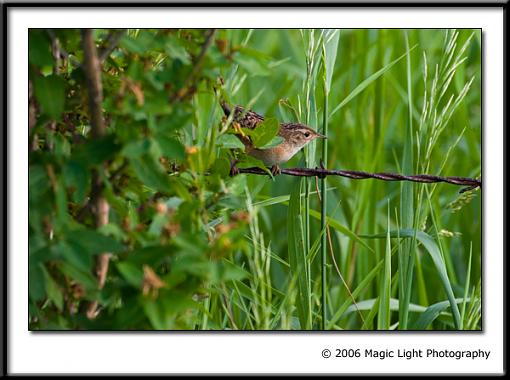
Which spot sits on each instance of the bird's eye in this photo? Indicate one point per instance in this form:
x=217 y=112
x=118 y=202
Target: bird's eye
x=307 y=134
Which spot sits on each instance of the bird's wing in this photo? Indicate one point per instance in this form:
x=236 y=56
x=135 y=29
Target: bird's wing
x=247 y=119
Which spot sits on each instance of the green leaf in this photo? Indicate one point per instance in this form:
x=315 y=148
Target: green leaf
x=35 y=280
x=151 y=173
x=178 y=119
x=151 y=255
x=229 y=141
x=96 y=151
x=249 y=162
x=131 y=273
x=77 y=178
x=136 y=149
x=196 y=265
x=162 y=312
x=61 y=203
x=135 y=70
x=275 y=141
x=134 y=45
x=157 y=224
x=170 y=147
x=155 y=313
x=156 y=103
x=221 y=167
x=38 y=183
x=72 y=253
x=62 y=146
x=52 y=290
x=94 y=242
x=175 y=49
x=41 y=255
x=253 y=66
x=50 y=94
x=39 y=48
x=113 y=230
x=177 y=302
x=231 y=272
x=264 y=132
x=83 y=277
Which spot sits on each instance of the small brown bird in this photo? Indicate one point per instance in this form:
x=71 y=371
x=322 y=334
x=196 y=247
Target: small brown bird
x=295 y=136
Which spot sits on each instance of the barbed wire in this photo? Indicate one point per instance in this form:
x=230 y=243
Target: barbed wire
x=469 y=183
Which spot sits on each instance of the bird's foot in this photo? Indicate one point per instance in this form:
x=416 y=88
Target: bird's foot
x=234 y=170
x=275 y=170
x=237 y=129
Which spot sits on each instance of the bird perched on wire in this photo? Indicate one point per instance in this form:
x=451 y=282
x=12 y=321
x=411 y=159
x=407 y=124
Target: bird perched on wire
x=294 y=137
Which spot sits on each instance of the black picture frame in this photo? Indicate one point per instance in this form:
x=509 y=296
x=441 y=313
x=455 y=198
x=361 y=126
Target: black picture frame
x=7 y=209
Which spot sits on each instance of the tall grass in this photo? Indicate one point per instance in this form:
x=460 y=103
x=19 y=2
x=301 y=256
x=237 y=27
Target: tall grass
x=407 y=256
x=329 y=52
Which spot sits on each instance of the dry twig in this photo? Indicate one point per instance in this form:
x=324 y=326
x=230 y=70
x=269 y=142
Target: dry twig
x=92 y=66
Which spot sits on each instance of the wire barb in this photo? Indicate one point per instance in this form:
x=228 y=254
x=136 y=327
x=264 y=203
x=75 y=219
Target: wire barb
x=321 y=172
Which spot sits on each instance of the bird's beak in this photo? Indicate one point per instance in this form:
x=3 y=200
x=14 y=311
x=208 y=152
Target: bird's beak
x=321 y=136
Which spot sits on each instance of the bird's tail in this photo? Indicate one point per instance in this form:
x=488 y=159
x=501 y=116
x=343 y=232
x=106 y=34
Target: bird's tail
x=225 y=107
x=218 y=90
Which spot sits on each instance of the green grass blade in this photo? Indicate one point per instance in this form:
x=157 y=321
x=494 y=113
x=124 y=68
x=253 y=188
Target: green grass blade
x=364 y=284
x=364 y=84
x=341 y=228
x=283 y=199
x=297 y=256
x=392 y=305
x=369 y=318
x=330 y=40
x=406 y=261
x=433 y=250
x=329 y=50
x=466 y=288
x=383 y=319
x=432 y=312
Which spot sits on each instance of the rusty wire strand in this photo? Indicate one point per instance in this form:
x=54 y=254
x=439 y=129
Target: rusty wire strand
x=469 y=183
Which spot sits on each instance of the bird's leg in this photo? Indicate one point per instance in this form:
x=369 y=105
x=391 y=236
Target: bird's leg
x=237 y=128
x=275 y=170
x=234 y=170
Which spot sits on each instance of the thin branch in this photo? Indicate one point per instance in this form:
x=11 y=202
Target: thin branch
x=470 y=183
x=32 y=118
x=62 y=52
x=112 y=41
x=197 y=64
x=101 y=208
x=92 y=68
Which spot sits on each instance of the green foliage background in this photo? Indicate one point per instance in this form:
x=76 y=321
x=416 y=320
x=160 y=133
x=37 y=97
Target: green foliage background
x=193 y=248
